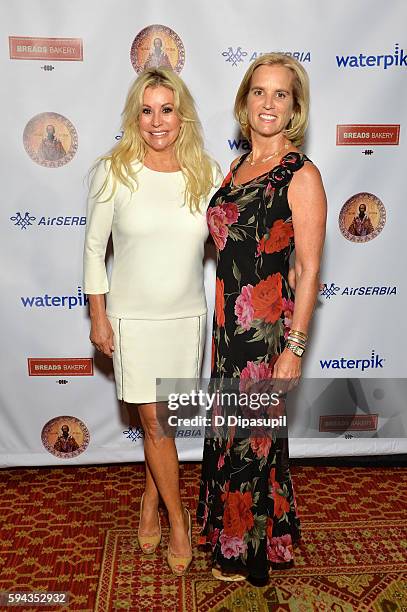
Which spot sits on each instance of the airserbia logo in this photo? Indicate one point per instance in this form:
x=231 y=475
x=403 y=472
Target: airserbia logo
x=236 y=55
x=24 y=220
x=330 y=290
x=155 y=46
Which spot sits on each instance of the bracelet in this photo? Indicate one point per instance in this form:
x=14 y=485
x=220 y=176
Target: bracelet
x=300 y=334
x=299 y=338
x=299 y=341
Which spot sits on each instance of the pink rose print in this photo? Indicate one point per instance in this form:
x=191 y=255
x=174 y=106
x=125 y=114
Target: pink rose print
x=231 y=212
x=232 y=546
x=243 y=307
x=253 y=373
x=280 y=549
x=256 y=371
x=216 y=218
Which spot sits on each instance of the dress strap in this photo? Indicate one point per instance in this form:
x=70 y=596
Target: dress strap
x=294 y=160
x=239 y=163
x=281 y=175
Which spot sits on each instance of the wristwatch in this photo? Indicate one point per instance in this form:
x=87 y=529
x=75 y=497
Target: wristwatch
x=297 y=350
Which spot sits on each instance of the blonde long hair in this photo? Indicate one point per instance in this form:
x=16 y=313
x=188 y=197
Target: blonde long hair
x=297 y=126
x=195 y=163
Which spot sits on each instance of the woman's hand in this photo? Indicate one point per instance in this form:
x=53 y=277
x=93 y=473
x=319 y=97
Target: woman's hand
x=101 y=335
x=286 y=371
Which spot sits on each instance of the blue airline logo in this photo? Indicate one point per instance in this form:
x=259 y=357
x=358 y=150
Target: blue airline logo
x=24 y=220
x=329 y=291
x=235 y=56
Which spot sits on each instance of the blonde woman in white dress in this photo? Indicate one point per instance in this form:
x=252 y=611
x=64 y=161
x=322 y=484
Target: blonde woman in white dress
x=151 y=193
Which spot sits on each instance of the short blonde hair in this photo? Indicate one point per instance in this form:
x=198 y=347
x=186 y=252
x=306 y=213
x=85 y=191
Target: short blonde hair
x=297 y=126
x=194 y=162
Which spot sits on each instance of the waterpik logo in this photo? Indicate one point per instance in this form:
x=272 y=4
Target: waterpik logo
x=343 y=363
x=240 y=144
x=397 y=59
x=55 y=301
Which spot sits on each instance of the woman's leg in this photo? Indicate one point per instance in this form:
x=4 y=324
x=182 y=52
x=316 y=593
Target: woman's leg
x=161 y=455
x=149 y=518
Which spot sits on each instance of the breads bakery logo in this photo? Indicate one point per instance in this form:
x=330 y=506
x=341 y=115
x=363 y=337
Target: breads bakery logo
x=330 y=290
x=50 y=140
x=67 y=366
x=65 y=437
x=363 y=134
x=348 y=422
x=24 y=220
x=157 y=46
x=46 y=49
x=236 y=55
x=362 y=217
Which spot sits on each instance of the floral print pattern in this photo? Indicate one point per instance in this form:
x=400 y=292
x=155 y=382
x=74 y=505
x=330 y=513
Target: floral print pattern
x=247 y=506
x=219 y=218
x=244 y=310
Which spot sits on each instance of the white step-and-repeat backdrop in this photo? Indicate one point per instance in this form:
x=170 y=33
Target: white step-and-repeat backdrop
x=66 y=68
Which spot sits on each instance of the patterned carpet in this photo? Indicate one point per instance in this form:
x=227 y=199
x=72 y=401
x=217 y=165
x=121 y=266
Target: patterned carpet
x=74 y=529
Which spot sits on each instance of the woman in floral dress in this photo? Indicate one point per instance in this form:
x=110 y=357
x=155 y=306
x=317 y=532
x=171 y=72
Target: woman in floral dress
x=272 y=201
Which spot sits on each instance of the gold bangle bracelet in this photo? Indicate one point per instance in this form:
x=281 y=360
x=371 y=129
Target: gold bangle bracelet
x=298 y=338
x=298 y=333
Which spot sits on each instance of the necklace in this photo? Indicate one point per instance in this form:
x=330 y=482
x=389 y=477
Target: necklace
x=264 y=159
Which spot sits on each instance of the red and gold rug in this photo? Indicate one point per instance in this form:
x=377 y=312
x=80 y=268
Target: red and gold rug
x=74 y=529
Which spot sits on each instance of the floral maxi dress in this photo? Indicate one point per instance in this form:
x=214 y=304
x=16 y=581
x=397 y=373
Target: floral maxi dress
x=246 y=504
